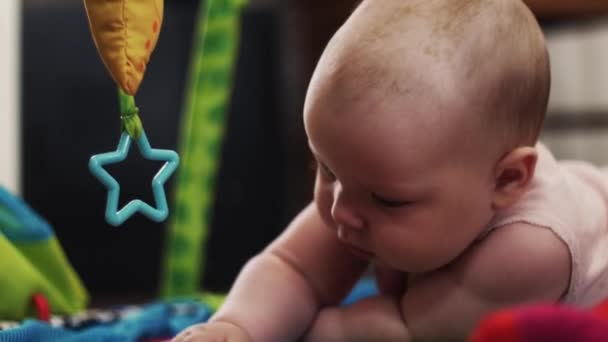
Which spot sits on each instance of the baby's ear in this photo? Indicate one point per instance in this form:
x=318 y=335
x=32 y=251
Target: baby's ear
x=512 y=175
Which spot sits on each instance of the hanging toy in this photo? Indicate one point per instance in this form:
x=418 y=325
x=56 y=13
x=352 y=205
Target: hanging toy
x=125 y=34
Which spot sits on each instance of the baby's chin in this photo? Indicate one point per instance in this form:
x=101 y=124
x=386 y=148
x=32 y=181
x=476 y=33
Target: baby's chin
x=408 y=267
x=361 y=253
x=378 y=262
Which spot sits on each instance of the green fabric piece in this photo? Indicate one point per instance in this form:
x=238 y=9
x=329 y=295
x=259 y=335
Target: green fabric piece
x=129 y=115
x=214 y=300
x=212 y=65
x=37 y=267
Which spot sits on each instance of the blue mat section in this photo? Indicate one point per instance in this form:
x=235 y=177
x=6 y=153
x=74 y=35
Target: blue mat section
x=364 y=288
x=153 y=321
x=159 y=320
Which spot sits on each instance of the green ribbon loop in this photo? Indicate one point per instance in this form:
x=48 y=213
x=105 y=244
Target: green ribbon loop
x=129 y=115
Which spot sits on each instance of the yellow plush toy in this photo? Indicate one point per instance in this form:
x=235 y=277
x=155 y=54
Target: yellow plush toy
x=125 y=33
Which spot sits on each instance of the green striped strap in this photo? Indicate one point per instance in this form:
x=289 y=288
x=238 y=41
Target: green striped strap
x=129 y=115
x=212 y=66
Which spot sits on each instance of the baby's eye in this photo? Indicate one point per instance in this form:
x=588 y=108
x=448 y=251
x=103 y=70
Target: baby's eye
x=390 y=203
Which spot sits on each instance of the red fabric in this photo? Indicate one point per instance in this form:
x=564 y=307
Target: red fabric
x=561 y=323
x=42 y=307
x=544 y=323
x=499 y=327
x=602 y=310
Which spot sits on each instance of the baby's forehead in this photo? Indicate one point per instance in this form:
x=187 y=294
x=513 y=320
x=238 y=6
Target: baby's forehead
x=375 y=79
x=392 y=120
x=403 y=86
x=414 y=87
x=408 y=64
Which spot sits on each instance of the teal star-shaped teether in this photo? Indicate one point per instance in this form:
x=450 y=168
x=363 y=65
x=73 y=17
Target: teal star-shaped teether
x=116 y=217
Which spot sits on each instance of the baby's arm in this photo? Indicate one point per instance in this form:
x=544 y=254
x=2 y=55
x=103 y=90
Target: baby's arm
x=279 y=292
x=515 y=264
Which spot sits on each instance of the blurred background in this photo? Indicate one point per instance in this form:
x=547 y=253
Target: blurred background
x=58 y=107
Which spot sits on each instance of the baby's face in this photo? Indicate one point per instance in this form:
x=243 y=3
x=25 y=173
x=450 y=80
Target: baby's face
x=398 y=180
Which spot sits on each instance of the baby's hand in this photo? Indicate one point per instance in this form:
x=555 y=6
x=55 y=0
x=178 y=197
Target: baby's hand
x=213 y=332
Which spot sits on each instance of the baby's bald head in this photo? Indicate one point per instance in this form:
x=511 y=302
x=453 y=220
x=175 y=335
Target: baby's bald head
x=503 y=65
x=481 y=57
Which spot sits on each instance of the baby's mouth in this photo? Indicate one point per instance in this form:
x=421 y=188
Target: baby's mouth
x=360 y=253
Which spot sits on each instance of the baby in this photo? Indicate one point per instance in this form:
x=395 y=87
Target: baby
x=423 y=116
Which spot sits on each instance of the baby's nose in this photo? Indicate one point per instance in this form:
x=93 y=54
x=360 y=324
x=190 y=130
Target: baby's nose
x=346 y=217
x=343 y=211
x=347 y=234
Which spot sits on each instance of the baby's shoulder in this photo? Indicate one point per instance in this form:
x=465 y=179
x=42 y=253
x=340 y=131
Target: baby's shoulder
x=519 y=259
x=518 y=240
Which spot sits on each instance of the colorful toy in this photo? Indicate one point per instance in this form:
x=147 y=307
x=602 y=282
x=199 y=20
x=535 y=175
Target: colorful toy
x=120 y=46
x=125 y=33
x=36 y=276
x=148 y=323
x=544 y=323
